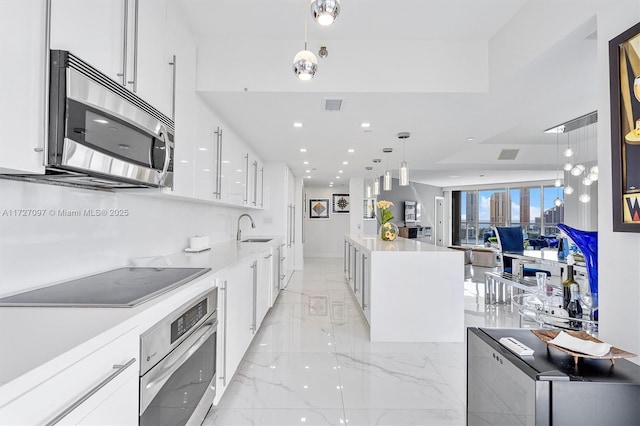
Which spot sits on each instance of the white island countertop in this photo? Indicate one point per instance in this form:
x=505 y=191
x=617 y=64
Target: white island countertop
x=374 y=243
x=39 y=341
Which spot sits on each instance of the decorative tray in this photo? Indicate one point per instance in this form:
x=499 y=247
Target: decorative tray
x=614 y=353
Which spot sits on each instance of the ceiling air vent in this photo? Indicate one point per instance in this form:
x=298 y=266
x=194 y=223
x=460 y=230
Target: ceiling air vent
x=331 y=104
x=508 y=154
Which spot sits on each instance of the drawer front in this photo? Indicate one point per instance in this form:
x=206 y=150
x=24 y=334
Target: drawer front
x=48 y=401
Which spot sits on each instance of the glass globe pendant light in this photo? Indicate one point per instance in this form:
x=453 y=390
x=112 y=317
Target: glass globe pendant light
x=568 y=189
x=325 y=12
x=557 y=202
x=305 y=64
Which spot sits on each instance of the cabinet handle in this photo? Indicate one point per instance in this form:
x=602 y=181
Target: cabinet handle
x=262 y=187
x=119 y=369
x=218 y=188
x=254 y=322
x=173 y=86
x=268 y=256
x=47 y=67
x=134 y=82
x=293 y=224
x=255 y=183
x=124 y=43
x=246 y=178
x=223 y=377
x=363 y=278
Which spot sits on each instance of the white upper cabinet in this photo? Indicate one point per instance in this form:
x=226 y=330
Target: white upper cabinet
x=22 y=106
x=95 y=32
x=127 y=40
x=157 y=56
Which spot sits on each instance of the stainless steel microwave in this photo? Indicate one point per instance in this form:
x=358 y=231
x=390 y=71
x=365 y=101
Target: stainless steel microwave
x=101 y=134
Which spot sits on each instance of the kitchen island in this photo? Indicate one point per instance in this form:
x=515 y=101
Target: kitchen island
x=409 y=291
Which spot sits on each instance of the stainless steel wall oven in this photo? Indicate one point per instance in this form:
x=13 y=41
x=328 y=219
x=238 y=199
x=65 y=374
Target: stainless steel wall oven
x=178 y=364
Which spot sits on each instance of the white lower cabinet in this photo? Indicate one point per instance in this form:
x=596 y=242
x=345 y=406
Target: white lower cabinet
x=264 y=287
x=99 y=389
x=235 y=316
x=243 y=301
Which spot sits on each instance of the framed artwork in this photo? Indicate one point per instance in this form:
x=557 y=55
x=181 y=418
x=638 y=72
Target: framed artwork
x=340 y=203
x=369 y=208
x=624 y=71
x=319 y=208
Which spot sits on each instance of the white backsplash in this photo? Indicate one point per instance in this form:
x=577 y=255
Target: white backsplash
x=41 y=244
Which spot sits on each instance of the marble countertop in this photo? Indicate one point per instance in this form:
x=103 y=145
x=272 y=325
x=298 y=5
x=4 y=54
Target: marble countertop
x=374 y=243
x=38 y=341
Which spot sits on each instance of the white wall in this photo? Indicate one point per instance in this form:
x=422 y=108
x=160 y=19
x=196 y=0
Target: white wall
x=39 y=250
x=618 y=253
x=325 y=237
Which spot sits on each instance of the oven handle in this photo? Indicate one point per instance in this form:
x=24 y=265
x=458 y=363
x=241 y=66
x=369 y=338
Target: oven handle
x=152 y=382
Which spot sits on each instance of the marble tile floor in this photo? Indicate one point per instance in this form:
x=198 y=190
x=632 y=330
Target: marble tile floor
x=312 y=363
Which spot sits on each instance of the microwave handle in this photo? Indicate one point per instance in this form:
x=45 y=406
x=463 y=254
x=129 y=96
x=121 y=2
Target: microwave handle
x=167 y=155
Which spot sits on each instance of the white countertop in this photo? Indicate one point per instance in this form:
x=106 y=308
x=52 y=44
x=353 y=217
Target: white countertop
x=374 y=243
x=37 y=341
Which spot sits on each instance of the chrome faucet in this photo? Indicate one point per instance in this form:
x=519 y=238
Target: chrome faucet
x=239 y=233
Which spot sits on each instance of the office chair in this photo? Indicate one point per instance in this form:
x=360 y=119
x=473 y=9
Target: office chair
x=511 y=239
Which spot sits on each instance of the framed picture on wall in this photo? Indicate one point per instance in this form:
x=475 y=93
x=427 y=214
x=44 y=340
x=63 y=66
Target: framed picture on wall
x=624 y=69
x=369 y=208
x=340 y=203
x=319 y=208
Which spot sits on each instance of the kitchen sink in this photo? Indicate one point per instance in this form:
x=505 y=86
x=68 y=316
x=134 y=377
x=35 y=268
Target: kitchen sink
x=256 y=240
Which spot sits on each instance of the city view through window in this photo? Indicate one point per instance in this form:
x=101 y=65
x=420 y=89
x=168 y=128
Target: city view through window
x=531 y=208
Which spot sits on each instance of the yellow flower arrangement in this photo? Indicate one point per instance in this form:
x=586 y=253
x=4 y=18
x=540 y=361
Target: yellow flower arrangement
x=388 y=231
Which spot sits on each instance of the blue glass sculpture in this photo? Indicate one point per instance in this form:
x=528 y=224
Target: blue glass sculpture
x=587 y=242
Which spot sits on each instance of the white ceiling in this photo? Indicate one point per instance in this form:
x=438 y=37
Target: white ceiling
x=382 y=64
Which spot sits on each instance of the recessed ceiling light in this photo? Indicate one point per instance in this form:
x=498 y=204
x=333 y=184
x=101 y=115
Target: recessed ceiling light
x=308 y=177
x=184 y=161
x=351 y=150
x=305 y=162
x=297 y=124
x=471 y=139
x=206 y=170
x=330 y=183
x=239 y=170
x=307 y=171
x=202 y=149
x=337 y=177
x=340 y=171
x=101 y=121
x=345 y=162
x=226 y=161
x=365 y=125
x=454 y=176
x=303 y=149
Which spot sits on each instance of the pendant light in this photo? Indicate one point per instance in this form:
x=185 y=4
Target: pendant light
x=325 y=12
x=558 y=183
x=376 y=179
x=305 y=63
x=387 y=173
x=404 y=169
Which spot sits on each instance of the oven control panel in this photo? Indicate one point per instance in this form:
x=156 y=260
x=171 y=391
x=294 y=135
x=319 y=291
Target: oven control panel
x=187 y=320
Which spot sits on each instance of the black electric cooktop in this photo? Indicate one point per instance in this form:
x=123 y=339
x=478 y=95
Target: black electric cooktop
x=119 y=288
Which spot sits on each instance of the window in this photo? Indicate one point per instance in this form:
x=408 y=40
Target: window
x=531 y=208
